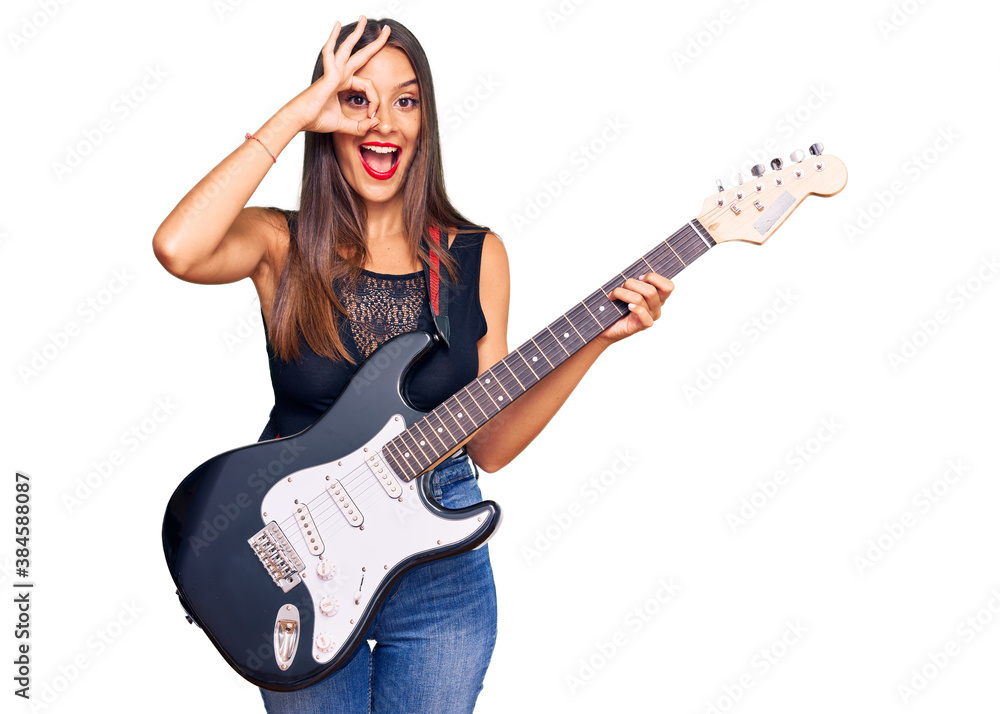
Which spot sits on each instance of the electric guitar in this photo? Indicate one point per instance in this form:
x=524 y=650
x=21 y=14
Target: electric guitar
x=283 y=550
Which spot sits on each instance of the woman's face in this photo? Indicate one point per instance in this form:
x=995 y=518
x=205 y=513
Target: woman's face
x=375 y=164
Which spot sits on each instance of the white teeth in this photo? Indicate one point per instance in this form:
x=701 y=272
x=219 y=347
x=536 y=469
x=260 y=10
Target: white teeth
x=380 y=149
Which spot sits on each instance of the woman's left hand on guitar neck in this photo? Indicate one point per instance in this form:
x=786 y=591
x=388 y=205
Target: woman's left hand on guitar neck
x=645 y=297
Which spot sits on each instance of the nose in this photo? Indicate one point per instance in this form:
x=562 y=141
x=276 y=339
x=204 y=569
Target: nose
x=385 y=119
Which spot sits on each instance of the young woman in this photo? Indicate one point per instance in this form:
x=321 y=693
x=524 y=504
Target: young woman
x=343 y=274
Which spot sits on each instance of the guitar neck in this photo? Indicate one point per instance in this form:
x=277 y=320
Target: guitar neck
x=427 y=440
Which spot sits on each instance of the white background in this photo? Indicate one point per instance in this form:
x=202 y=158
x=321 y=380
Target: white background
x=904 y=93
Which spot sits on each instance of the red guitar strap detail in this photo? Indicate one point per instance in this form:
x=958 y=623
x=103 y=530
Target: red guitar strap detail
x=437 y=289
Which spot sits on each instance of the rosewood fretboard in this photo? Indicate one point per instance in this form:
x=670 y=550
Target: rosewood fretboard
x=427 y=440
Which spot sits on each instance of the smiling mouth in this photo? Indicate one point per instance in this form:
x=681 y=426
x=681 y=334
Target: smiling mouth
x=380 y=160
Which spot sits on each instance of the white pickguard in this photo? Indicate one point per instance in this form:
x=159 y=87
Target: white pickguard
x=393 y=530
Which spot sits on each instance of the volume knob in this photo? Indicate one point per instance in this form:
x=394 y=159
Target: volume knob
x=325 y=569
x=329 y=606
x=324 y=642
x=758 y=170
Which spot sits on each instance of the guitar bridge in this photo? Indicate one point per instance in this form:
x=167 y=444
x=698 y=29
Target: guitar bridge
x=277 y=556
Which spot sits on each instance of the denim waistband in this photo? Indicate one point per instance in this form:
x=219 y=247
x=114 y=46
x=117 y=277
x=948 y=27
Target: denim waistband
x=456 y=467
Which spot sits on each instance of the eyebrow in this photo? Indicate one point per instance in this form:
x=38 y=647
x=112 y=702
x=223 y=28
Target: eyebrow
x=407 y=82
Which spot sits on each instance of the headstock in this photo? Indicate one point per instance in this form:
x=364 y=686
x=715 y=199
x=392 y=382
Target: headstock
x=752 y=211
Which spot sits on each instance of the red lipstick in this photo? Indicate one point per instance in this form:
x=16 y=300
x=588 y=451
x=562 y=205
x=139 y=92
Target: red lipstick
x=380 y=175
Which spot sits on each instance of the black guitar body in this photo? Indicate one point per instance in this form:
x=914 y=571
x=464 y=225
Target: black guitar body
x=267 y=605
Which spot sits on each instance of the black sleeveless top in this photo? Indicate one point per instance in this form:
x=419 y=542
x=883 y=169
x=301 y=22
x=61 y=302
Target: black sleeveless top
x=380 y=307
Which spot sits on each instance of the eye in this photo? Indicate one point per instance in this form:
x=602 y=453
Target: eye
x=408 y=102
x=356 y=100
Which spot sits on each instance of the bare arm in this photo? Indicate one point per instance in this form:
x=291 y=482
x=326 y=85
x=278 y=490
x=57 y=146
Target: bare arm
x=210 y=237
x=508 y=433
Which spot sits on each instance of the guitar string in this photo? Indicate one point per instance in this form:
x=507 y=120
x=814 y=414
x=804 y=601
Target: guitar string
x=687 y=236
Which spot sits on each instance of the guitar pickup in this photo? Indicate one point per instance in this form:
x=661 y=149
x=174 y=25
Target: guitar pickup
x=385 y=476
x=309 y=531
x=343 y=500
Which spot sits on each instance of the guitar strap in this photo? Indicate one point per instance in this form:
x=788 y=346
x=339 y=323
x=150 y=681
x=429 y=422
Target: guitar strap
x=437 y=289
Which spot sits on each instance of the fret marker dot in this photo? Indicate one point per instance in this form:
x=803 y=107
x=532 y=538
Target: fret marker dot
x=500 y=398
x=602 y=308
x=565 y=335
x=535 y=358
x=487 y=381
x=407 y=454
x=439 y=430
x=460 y=415
x=423 y=443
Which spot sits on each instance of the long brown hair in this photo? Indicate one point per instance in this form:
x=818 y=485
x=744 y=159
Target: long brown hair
x=330 y=242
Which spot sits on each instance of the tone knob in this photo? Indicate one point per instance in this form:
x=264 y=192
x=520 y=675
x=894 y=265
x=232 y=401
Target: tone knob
x=325 y=569
x=758 y=170
x=816 y=149
x=797 y=156
x=329 y=606
x=776 y=164
x=324 y=642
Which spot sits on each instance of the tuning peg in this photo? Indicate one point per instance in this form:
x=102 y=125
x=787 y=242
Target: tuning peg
x=776 y=164
x=758 y=170
x=718 y=183
x=797 y=156
x=739 y=179
x=816 y=149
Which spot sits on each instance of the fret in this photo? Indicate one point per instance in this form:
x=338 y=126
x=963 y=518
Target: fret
x=439 y=426
x=567 y=335
x=534 y=352
x=391 y=456
x=511 y=386
x=534 y=373
x=429 y=435
x=425 y=441
x=494 y=387
x=455 y=421
x=667 y=243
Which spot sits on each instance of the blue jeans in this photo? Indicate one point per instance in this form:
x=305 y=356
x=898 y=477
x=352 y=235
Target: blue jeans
x=434 y=634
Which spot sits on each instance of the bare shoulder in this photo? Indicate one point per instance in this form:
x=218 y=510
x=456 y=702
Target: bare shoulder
x=495 y=255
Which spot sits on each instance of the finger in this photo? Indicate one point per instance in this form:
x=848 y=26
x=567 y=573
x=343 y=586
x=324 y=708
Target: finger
x=642 y=313
x=647 y=290
x=328 y=48
x=364 y=54
x=347 y=46
x=364 y=126
x=365 y=85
